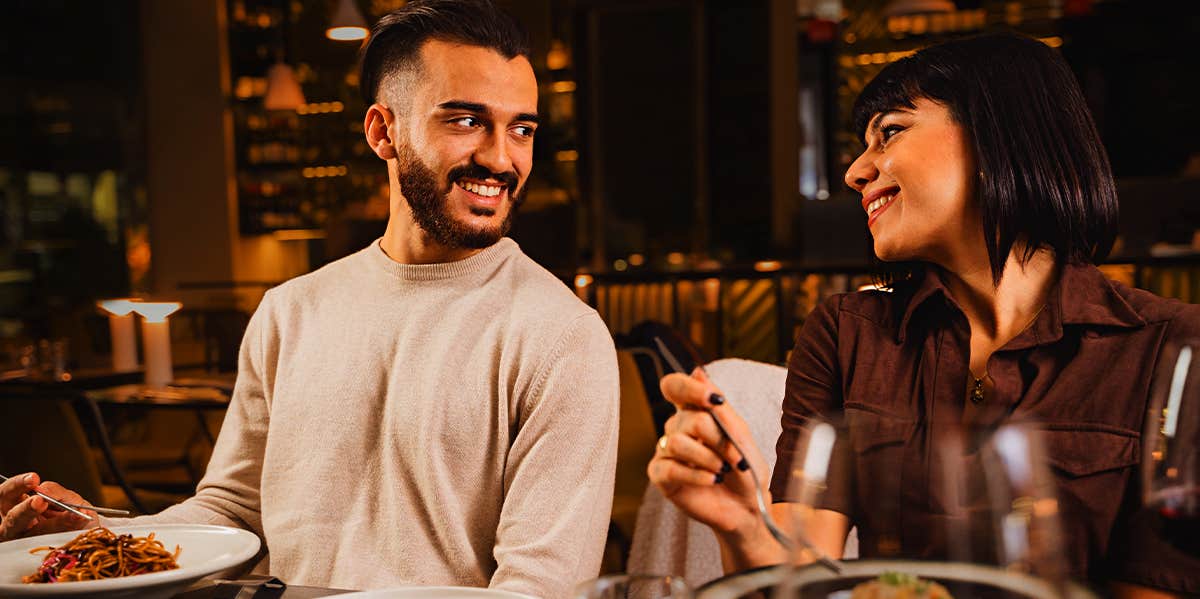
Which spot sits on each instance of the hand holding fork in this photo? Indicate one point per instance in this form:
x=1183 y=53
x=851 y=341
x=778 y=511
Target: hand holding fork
x=700 y=448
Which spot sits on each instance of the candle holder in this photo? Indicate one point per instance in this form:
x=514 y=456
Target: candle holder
x=156 y=340
x=120 y=328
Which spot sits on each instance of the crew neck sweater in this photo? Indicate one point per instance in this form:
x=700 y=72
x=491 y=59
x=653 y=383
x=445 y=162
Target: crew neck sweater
x=438 y=424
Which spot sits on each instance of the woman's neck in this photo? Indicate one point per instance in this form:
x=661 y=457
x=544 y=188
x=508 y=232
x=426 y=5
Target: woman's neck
x=997 y=313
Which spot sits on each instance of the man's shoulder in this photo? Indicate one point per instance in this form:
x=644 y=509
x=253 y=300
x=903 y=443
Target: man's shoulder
x=317 y=284
x=541 y=293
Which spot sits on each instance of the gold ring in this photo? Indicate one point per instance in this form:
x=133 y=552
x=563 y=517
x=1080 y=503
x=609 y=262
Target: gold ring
x=662 y=443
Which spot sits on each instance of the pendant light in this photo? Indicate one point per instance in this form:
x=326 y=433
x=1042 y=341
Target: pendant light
x=283 y=89
x=347 y=23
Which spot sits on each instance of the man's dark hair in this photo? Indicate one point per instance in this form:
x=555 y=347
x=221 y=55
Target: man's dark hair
x=396 y=40
x=1045 y=179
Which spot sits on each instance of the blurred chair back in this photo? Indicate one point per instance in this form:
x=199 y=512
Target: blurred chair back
x=635 y=447
x=652 y=365
x=45 y=436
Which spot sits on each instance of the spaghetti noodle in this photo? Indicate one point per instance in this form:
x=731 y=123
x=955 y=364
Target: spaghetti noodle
x=100 y=553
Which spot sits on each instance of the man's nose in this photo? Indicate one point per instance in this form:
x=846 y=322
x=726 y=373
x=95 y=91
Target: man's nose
x=492 y=154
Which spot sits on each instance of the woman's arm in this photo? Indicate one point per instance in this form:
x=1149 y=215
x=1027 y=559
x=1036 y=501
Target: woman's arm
x=825 y=529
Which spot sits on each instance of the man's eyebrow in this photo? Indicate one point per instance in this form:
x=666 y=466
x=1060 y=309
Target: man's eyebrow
x=461 y=105
x=478 y=108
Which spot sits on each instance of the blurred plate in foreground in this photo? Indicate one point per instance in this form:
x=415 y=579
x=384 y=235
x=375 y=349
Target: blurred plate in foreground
x=964 y=581
x=417 y=592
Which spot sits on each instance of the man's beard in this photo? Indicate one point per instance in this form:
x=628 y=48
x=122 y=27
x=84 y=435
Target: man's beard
x=430 y=204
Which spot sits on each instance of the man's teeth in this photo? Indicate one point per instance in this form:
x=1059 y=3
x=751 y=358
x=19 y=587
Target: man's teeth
x=487 y=191
x=879 y=203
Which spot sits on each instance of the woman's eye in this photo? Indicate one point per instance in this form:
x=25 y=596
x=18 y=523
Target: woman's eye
x=888 y=131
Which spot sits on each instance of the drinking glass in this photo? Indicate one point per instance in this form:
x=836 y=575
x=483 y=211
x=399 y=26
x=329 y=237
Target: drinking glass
x=1171 y=464
x=634 y=586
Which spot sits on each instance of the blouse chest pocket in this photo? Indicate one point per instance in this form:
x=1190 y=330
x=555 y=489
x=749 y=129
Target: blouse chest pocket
x=878 y=443
x=872 y=430
x=1081 y=451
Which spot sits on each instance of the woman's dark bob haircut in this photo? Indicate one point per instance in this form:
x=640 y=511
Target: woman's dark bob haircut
x=1044 y=180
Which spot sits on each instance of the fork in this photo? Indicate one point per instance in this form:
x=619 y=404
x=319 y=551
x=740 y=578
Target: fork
x=73 y=508
x=783 y=539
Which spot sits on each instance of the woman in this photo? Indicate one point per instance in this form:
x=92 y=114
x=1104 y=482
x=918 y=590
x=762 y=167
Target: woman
x=985 y=183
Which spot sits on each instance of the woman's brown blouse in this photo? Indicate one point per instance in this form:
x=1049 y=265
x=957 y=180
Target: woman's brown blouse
x=893 y=367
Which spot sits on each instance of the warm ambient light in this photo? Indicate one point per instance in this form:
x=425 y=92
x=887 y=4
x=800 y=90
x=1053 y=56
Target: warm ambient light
x=120 y=332
x=156 y=340
x=298 y=234
x=283 y=90
x=767 y=265
x=347 y=24
x=117 y=307
x=346 y=34
x=156 y=311
x=582 y=281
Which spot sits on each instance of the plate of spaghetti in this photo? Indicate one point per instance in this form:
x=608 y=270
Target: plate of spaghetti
x=127 y=561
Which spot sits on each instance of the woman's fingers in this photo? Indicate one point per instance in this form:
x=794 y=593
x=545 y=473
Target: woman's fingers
x=683 y=448
x=698 y=425
x=671 y=475
x=689 y=392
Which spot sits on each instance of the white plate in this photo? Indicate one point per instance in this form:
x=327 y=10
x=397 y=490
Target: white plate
x=204 y=550
x=417 y=592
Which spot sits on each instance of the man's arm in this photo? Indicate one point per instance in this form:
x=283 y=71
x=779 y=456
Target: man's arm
x=560 y=468
x=228 y=495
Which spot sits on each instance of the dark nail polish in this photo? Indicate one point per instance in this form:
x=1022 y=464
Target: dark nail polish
x=743 y=465
x=716 y=399
x=718 y=479
x=725 y=467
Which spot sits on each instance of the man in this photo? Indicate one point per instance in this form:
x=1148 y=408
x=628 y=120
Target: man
x=435 y=408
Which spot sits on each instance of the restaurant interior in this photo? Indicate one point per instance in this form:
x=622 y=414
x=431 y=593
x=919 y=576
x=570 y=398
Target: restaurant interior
x=165 y=163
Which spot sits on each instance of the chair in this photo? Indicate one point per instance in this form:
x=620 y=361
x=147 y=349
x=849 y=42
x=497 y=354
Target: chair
x=635 y=447
x=45 y=436
x=665 y=541
x=651 y=364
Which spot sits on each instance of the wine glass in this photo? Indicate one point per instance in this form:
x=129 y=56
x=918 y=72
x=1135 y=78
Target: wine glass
x=634 y=586
x=1171 y=463
x=1002 y=505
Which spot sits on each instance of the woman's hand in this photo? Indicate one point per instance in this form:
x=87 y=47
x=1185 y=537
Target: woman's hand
x=23 y=515
x=697 y=469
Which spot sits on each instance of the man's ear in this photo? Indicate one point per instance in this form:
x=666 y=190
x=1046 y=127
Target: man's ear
x=376 y=125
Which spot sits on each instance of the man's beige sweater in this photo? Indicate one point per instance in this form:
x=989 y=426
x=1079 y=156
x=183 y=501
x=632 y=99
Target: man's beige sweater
x=436 y=424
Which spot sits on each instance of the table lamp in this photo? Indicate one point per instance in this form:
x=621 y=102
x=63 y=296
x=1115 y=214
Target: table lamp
x=120 y=328
x=156 y=340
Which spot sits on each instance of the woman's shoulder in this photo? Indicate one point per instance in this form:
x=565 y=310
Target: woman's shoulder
x=874 y=306
x=1182 y=316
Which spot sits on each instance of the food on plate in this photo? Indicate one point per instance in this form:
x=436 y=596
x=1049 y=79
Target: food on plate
x=897 y=585
x=101 y=553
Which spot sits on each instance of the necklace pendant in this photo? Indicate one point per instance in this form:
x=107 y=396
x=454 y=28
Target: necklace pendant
x=977 y=391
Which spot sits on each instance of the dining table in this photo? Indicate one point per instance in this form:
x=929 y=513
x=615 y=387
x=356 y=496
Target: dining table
x=94 y=389
x=254 y=588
